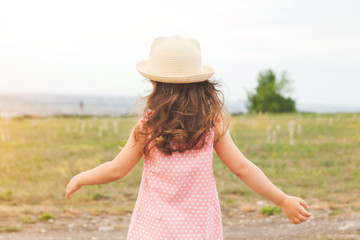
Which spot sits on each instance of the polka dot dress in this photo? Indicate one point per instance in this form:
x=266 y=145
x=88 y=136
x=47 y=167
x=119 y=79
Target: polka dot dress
x=178 y=198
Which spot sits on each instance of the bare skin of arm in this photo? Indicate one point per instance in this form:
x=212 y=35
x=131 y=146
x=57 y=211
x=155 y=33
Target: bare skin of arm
x=251 y=175
x=110 y=171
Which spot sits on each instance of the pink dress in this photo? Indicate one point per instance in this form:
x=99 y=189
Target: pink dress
x=178 y=198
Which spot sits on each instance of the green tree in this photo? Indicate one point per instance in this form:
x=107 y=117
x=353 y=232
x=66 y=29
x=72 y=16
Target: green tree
x=268 y=96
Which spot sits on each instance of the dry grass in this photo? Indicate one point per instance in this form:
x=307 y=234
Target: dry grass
x=308 y=155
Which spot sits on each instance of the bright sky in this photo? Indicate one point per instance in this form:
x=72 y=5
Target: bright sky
x=92 y=47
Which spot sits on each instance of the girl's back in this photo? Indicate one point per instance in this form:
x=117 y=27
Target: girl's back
x=178 y=197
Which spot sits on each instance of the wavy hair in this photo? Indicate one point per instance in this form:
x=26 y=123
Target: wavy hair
x=181 y=113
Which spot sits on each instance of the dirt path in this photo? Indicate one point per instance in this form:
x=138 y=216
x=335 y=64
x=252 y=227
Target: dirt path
x=237 y=226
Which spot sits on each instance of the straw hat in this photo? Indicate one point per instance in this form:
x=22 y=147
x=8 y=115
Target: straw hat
x=175 y=60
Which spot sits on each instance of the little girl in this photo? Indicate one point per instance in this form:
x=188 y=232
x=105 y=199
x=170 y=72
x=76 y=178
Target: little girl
x=183 y=121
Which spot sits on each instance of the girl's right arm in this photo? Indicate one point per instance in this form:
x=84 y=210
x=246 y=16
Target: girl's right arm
x=110 y=171
x=252 y=175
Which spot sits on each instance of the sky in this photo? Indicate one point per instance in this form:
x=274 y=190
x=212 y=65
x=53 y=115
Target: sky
x=92 y=47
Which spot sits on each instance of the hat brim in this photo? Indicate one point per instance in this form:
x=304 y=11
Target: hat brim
x=207 y=73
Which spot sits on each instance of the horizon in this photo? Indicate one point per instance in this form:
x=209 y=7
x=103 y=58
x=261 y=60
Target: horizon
x=101 y=95
x=47 y=104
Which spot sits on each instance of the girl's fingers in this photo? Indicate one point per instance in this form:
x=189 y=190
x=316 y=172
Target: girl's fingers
x=69 y=192
x=303 y=203
x=305 y=213
x=296 y=220
x=71 y=188
x=305 y=206
x=301 y=218
x=70 y=195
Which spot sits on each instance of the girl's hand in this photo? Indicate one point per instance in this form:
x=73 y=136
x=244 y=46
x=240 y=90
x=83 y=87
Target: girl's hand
x=294 y=209
x=72 y=187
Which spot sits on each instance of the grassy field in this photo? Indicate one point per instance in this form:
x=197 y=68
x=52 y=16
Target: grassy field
x=316 y=157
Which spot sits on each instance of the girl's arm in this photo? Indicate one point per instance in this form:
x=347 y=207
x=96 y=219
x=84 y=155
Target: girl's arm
x=252 y=175
x=110 y=171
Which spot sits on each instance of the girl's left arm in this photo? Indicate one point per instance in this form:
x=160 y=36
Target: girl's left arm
x=110 y=171
x=253 y=176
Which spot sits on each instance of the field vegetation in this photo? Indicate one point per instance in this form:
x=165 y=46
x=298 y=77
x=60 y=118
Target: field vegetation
x=313 y=156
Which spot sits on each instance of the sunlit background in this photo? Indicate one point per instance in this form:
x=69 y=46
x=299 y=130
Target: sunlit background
x=84 y=48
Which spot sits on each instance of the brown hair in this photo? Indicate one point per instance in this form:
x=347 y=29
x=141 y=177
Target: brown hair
x=182 y=113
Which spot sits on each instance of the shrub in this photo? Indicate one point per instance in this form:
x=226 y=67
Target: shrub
x=270 y=210
x=46 y=216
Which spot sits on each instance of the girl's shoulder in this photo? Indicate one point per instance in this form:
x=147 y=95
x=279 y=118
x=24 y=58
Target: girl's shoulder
x=145 y=118
x=220 y=128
